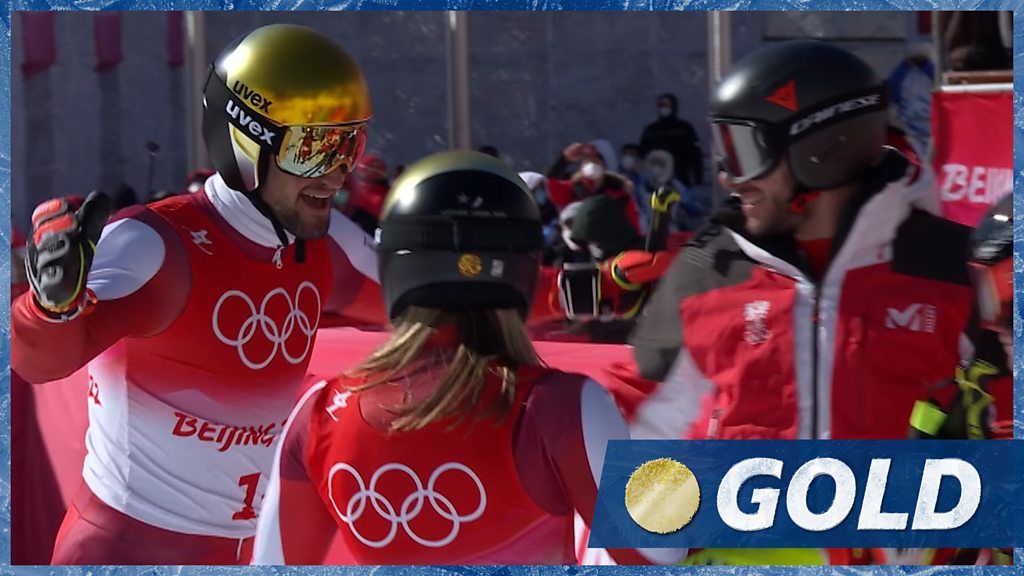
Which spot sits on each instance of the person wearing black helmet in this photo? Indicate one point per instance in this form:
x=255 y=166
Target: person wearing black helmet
x=455 y=402
x=992 y=271
x=197 y=314
x=977 y=402
x=820 y=306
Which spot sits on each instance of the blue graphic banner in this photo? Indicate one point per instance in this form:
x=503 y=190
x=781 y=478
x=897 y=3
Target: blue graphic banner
x=824 y=494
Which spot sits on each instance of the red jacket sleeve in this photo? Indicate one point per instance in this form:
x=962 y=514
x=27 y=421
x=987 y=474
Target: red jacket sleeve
x=559 y=449
x=545 y=305
x=141 y=278
x=295 y=526
x=355 y=298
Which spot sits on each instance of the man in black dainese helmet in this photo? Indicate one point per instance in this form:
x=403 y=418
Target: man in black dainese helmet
x=817 y=306
x=459 y=230
x=792 y=121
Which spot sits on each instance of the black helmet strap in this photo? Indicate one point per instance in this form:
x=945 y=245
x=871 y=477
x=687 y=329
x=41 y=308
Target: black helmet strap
x=802 y=197
x=268 y=213
x=462 y=234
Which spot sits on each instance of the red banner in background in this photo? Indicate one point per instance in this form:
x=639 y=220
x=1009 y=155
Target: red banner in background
x=39 y=41
x=175 y=44
x=973 y=151
x=107 y=39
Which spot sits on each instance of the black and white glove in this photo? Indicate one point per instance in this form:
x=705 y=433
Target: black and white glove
x=60 y=252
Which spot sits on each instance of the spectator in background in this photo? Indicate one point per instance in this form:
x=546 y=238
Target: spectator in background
x=548 y=212
x=563 y=248
x=591 y=179
x=660 y=171
x=678 y=138
x=603 y=229
x=975 y=40
x=631 y=166
x=125 y=197
x=910 y=90
x=196 y=180
x=607 y=152
x=367 y=188
x=596 y=229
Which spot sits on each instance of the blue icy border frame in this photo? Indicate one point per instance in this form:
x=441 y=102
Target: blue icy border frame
x=697 y=5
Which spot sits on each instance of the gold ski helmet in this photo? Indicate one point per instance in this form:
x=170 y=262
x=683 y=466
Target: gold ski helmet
x=287 y=94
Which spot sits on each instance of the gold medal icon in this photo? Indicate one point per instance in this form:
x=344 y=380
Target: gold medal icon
x=662 y=496
x=470 y=265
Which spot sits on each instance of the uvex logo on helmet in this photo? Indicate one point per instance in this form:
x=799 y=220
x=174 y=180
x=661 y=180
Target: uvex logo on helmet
x=254 y=97
x=834 y=111
x=248 y=123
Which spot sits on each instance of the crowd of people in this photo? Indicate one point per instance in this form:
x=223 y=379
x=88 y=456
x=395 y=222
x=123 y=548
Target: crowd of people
x=821 y=303
x=585 y=193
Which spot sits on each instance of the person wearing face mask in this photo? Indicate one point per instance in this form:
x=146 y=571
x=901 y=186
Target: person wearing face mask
x=660 y=171
x=548 y=213
x=591 y=178
x=631 y=165
x=676 y=136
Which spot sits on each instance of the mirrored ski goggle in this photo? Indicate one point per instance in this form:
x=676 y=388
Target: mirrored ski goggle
x=312 y=151
x=993 y=290
x=743 y=150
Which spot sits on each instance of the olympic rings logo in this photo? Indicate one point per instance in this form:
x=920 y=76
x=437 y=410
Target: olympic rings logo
x=258 y=320
x=410 y=507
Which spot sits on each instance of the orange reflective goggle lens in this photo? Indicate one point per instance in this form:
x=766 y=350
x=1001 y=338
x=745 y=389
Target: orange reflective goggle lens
x=312 y=151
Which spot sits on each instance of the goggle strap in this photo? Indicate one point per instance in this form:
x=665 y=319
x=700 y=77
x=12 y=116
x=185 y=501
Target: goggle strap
x=452 y=235
x=267 y=134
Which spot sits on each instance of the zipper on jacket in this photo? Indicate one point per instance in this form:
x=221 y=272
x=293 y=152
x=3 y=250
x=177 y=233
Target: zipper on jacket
x=716 y=416
x=277 y=257
x=814 y=365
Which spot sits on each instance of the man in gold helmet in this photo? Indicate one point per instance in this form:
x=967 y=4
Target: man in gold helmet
x=196 y=315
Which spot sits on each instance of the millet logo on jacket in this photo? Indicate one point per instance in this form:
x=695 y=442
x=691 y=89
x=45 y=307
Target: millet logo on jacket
x=916 y=318
x=248 y=123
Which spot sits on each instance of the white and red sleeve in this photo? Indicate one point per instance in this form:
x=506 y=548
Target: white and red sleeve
x=294 y=526
x=560 y=445
x=141 y=278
